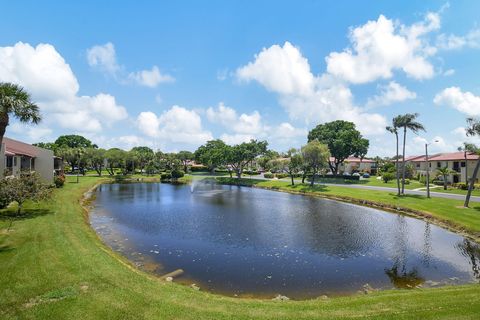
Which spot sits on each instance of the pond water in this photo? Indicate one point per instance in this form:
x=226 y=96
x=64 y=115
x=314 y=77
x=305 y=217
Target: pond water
x=243 y=241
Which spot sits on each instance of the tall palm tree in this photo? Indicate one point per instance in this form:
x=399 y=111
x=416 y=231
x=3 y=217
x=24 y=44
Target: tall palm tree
x=407 y=122
x=16 y=102
x=394 y=129
x=473 y=129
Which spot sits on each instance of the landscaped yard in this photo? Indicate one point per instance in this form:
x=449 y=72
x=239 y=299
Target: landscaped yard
x=53 y=266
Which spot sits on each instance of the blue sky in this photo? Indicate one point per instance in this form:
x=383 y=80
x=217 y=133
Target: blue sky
x=172 y=75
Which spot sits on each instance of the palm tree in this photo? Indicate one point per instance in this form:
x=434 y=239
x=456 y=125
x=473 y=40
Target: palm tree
x=394 y=129
x=407 y=122
x=445 y=172
x=15 y=101
x=472 y=130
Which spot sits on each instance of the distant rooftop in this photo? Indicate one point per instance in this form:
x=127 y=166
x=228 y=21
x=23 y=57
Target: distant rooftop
x=14 y=147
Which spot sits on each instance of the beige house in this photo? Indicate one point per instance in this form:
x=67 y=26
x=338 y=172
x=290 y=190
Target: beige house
x=353 y=164
x=461 y=162
x=17 y=156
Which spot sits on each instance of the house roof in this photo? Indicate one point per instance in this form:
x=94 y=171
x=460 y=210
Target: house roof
x=454 y=156
x=354 y=159
x=14 y=147
x=450 y=156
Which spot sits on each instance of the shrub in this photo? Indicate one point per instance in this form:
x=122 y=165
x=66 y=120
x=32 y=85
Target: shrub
x=198 y=168
x=461 y=186
x=281 y=175
x=177 y=174
x=407 y=181
x=165 y=176
x=268 y=175
x=59 y=180
x=388 y=176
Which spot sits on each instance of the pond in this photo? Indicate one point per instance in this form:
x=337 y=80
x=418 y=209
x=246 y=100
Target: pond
x=241 y=241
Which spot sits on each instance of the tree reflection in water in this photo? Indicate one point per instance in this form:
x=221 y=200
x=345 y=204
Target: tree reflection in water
x=399 y=274
x=472 y=251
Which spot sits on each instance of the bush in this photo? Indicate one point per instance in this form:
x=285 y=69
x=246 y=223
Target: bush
x=281 y=175
x=198 y=168
x=59 y=180
x=268 y=175
x=407 y=181
x=165 y=176
x=177 y=174
x=250 y=172
x=388 y=176
x=461 y=186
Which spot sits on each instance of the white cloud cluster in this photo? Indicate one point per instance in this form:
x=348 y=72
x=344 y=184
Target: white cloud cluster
x=50 y=80
x=391 y=93
x=382 y=46
x=104 y=58
x=176 y=125
x=244 y=127
x=465 y=102
x=280 y=69
x=307 y=97
x=150 y=78
x=454 y=42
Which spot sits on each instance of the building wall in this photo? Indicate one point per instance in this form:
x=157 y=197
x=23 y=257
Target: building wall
x=421 y=167
x=44 y=164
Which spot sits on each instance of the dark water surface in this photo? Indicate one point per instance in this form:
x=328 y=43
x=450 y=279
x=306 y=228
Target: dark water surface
x=245 y=241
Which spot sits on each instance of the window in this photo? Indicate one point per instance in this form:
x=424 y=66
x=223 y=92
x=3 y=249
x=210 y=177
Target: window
x=418 y=165
x=462 y=164
x=439 y=164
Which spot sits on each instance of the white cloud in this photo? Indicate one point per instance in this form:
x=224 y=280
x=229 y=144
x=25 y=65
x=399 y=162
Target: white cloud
x=176 y=125
x=454 y=42
x=449 y=72
x=305 y=97
x=382 y=46
x=50 y=80
x=245 y=124
x=223 y=115
x=150 y=78
x=391 y=93
x=237 y=138
x=280 y=69
x=30 y=133
x=104 y=58
x=465 y=102
x=41 y=70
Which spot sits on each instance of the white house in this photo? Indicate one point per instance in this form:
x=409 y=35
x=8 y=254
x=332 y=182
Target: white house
x=17 y=156
x=461 y=162
x=353 y=164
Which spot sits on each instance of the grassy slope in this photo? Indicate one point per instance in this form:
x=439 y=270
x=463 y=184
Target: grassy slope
x=52 y=266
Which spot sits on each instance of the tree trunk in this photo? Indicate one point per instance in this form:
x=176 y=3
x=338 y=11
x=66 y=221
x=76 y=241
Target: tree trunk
x=403 y=159
x=303 y=177
x=445 y=182
x=313 y=178
x=4 y=120
x=293 y=182
x=396 y=166
x=332 y=168
x=471 y=185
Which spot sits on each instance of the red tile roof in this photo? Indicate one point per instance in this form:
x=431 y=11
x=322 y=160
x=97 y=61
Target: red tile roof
x=14 y=147
x=451 y=156
x=354 y=159
x=454 y=156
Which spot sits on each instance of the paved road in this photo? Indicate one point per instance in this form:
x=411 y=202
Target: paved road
x=433 y=194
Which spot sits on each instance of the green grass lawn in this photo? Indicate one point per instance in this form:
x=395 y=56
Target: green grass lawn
x=53 y=266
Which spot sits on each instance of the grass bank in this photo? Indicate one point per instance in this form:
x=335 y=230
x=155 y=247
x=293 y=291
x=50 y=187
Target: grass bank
x=53 y=266
x=447 y=212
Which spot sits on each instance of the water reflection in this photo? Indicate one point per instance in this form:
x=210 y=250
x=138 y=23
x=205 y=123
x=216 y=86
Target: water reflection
x=238 y=240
